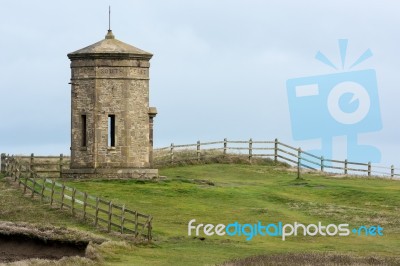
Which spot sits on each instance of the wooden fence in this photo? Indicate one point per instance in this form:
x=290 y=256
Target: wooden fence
x=250 y=149
x=29 y=172
x=48 y=166
x=101 y=212
x=275 y=150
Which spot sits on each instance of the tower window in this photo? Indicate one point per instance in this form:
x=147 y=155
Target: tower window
x=111 y=130
x=83 y=119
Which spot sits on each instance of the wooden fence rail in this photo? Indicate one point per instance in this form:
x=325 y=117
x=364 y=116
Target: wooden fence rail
x=101 y=212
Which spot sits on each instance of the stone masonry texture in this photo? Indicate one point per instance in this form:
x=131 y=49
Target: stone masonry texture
x=110 y=78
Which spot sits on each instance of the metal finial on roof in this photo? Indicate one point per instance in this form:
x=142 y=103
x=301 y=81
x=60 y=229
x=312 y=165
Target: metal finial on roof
x=109 y=35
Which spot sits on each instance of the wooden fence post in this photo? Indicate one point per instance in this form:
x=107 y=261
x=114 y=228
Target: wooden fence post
x=18 y=174
x=11 y=167
x=85 y=196
x=369 y=168
x=276 y=151
x=109 y=216
x=136 y=223
x=392 y=171
x=3 y=163
x=225 y=145
x=53 y=184
x=31 y=166
x=298 y=162
x=345 y=167
x=15 y=170
x=8 y=166
x=198 y=151
x=33 y=188
x=73 y=201
x=61 y=164
x=122 y=218
x=62 y=196
x=322 y=163
x=96 y=217
x=43 y=189
x=250 y=149
x=149 y=227
x=172 y=153
x=25 y=184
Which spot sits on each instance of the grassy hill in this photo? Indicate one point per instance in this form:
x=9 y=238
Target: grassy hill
x=225 y=193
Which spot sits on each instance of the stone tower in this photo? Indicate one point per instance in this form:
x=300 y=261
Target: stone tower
x=111 y=121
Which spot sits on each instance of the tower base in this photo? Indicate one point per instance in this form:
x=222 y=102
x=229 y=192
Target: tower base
x=111 y=173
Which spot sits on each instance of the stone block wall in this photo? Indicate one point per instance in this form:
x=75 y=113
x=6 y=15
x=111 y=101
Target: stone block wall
x=103 y=87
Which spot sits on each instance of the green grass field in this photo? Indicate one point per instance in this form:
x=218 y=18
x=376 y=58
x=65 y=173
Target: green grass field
x=224 y=193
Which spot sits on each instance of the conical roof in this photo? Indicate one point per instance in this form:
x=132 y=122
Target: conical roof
x=110 y=48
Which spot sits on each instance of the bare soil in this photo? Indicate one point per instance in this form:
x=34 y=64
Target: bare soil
x=16 y=247
x=21 y=241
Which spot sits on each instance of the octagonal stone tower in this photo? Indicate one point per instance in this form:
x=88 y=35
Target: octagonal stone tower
x=111 y=121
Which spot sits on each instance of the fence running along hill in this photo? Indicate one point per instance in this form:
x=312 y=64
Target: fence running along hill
x=274 y=150
x=250 y=149
x=101 y=212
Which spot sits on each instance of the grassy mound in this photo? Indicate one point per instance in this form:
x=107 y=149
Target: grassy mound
x=225 y=193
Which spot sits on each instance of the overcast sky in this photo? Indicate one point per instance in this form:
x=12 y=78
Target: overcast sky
x=219 y=68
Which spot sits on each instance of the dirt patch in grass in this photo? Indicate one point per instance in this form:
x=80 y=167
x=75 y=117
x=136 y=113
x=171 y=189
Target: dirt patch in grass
x=19 y=247
x=21 y=241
